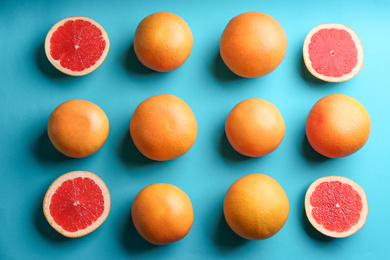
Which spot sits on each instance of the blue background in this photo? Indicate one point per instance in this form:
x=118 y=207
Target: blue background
x=31 y=88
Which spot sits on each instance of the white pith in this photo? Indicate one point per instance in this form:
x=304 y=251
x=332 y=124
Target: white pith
x=355 y=38
x=56 y=63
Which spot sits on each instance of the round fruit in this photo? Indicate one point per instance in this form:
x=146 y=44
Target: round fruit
x=255 y=127
x=162 y=213
x=78 y=128
x=163 y=127
x=76 y=45
x=337 y=126
x=253 y=44
x=163 y=41
x=333 y=52
x=76 y=203
x=336 y=206
x=256 y=206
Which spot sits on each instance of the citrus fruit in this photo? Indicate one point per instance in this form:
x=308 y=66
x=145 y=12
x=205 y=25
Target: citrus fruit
x=337 y=126
x=163 y=41
x=78 y=128
x=256 y=206
x=162 y=213
x=333 y=52
x=253 y=44
x=76 y=203
x=76 y=45
x=163 y=127
x=336 y=206
x=255 y=127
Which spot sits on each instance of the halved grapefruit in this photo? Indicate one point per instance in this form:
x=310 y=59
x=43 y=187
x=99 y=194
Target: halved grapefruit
x=333 y=52
x=336 y=206
x=76 y=203
x=77 y=45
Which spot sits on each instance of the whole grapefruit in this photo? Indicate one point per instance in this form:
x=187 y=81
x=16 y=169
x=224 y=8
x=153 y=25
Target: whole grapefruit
x=78 y=128
x=162 y=213
x=337 y=126
x=163 y=41
x=255 y=127
x=256 y=206
x=163 y=127
x=253 y=44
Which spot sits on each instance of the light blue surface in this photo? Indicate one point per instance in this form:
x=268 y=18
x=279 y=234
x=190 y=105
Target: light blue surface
x=31 y=88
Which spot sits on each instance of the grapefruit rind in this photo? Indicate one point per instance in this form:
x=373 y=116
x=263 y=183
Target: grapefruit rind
x=319 y=227
x=57 y=183
x=56 y=63
x=356 y=40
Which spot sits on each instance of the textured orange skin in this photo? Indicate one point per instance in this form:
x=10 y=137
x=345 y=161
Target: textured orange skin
x=256 y=207
x=253 y=44
x=163 y=127
x=163 y=41
x=255 y=127
x=162 y=213
x=337 y=126
x=78 y=128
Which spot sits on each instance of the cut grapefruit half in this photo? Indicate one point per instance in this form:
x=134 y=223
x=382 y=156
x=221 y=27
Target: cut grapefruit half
x=76 y=45
x=76 y=203
x=333 y=52
x=336 y=206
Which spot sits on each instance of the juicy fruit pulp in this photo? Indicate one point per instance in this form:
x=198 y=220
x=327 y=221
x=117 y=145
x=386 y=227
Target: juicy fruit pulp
x=76 y=204
x=76 y=45
x=332 y=52
x=80 y=52
x=336 y=206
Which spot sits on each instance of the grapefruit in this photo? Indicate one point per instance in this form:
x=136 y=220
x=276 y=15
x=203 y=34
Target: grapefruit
x=333 y=52
x=78 y=128
x=255 y=127
x=337 y=126
x=162 y=213
x=76 y=203
x=163 y=41
x=253 y=44
x=256 y=206
x=76 y=45
x=336 y=206
x=163 y=127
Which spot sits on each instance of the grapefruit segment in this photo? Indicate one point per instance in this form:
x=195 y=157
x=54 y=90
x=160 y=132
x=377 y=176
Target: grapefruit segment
x=333 y=52
x=76 y=203
x=76 y=45
x=336 y=206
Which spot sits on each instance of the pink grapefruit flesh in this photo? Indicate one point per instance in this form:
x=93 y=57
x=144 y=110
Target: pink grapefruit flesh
x=76 y=203
x=76 y=45
x=333 y=52
x=336 y=206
